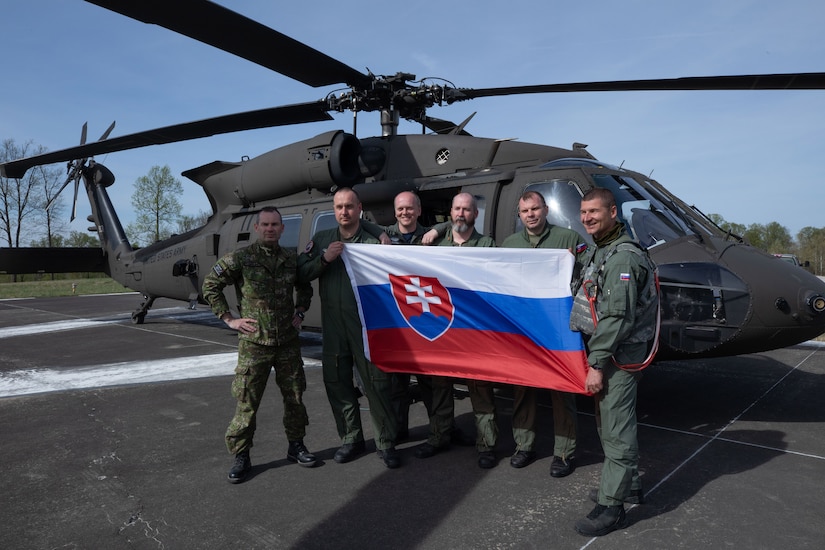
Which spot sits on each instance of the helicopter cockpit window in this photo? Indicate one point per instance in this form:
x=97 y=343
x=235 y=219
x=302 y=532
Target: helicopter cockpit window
x=563 y=200
x=649 y=221
x=324 y=220
x=292 y=230
x=481 y=202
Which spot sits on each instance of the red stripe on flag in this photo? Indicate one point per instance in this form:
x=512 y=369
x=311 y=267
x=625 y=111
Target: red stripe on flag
x=479 y=355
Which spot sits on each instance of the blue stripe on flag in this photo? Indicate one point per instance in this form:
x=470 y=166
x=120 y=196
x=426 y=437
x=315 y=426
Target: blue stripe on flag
x=532 y=317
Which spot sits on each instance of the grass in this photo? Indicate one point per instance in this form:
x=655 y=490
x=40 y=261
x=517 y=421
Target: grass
x=45 y=289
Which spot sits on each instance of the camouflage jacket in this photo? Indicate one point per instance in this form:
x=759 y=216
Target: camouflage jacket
x=264 y=279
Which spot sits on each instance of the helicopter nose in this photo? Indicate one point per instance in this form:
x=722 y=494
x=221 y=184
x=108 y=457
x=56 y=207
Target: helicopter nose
x=721 y=299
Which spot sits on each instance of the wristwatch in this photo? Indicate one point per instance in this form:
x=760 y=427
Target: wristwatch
x=299 y=314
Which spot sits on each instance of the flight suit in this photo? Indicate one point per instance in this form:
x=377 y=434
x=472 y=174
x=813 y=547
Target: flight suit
x=265 y=278
x=481 y=391
x=343 y=345
x=397 y=237
x=623 y=277
x=565 y=413
x=399 y=382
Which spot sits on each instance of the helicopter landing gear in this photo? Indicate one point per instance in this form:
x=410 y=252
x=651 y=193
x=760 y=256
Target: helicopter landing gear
x=139 y=315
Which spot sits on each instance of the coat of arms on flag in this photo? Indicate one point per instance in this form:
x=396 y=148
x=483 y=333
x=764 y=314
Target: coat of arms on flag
x=424 y=304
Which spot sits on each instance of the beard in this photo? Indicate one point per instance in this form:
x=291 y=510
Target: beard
x=460 y=225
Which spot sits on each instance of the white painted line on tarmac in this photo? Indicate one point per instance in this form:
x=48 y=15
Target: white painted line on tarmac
x=54 y=326
x=74 y=324
x=30 y=381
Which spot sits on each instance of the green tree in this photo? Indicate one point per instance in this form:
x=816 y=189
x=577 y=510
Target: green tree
x=157 y=207
x=46 y=242
x=79 y=238
x=755 y=235
x=733 y=228
x=811 y=242
x=778 y=239
x=772 y=238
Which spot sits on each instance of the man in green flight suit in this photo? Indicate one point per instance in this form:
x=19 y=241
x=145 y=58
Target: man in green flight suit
x=265 y=275
x=343 y=343
x=407 y=231
x=614 y=306
x=463 y=214
x=538 y=233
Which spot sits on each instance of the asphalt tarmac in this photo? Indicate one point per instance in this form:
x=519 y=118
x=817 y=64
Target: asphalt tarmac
x=112 y=437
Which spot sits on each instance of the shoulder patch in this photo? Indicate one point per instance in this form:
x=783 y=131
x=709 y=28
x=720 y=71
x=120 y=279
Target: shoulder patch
x=308 y=247
x=624 y=276
x=581 y=247
x=218 y=269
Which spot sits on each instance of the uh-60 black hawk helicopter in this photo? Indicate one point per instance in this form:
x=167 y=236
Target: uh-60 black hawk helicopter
x=720 y=296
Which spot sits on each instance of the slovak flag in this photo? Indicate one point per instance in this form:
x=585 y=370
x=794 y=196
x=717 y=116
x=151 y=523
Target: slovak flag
x=498 y=314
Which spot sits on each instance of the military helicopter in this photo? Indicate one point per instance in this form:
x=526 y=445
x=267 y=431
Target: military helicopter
x=720 y=296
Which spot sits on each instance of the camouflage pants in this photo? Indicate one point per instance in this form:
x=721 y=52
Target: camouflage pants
x=254 y=365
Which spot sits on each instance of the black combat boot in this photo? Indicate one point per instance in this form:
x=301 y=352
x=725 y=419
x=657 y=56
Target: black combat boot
x=636 y=496
x=299 y=453
x=602 y=520
x=241 y=467
x=390 y=457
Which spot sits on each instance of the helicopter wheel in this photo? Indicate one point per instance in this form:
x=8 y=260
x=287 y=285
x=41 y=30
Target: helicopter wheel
x=138 y=318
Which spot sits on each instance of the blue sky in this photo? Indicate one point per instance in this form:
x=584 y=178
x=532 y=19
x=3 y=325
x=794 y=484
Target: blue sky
x=752 y=157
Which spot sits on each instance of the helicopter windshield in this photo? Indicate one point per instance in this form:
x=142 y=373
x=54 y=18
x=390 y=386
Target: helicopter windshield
x=650 y=220
x=653 y=215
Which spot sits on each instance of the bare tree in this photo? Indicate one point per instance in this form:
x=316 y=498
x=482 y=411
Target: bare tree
x=156 y=205
x=51 y=210
x=188 y=223
x=21 y=198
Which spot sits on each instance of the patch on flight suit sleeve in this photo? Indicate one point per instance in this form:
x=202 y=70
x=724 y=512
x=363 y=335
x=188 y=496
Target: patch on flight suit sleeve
x=581 y=247
x=309 y=246
x=624 y=276
x=218 y=269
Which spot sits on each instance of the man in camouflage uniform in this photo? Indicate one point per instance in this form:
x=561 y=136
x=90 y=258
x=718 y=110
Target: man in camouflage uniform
x=618 y=277
x=343 y=343
x=264 y=275
x=463 y=214
x=537 y=233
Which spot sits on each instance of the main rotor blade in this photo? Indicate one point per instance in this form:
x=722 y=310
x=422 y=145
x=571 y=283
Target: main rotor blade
x=250 y=120
x=231 y=32
x=790 y=81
